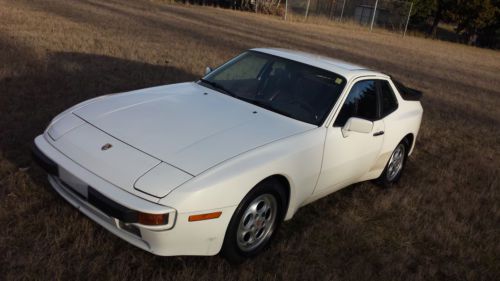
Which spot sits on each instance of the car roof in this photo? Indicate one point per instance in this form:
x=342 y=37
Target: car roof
x=346 y=69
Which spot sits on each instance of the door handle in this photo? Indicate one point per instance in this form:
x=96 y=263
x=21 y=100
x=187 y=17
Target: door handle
x=379 y=133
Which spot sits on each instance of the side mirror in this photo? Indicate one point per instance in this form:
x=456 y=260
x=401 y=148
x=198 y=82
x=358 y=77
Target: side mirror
x=208 y=69
x=357 y=125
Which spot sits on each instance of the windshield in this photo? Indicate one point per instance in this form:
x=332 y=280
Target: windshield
x=290 y=88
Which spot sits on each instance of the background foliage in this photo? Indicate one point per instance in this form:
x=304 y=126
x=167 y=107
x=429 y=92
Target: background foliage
x=475 y=22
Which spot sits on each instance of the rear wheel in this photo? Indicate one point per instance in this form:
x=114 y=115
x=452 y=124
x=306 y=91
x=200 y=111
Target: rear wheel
x=395 y=166
x=254 y=222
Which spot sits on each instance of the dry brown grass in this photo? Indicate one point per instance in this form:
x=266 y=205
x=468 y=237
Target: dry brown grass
x=441 y=223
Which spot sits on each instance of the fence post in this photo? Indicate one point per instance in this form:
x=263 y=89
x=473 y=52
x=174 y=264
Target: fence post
x=286 y=8
x=374 y=13
x=307 y=9
x=408 y=20
x=342 y=13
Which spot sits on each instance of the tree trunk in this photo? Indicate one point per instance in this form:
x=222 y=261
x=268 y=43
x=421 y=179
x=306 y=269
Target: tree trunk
x=435 y=23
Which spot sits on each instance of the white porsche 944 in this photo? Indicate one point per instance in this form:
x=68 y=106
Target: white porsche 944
x=215 y=165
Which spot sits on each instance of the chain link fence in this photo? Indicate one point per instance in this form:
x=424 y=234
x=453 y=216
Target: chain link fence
x=390 y=14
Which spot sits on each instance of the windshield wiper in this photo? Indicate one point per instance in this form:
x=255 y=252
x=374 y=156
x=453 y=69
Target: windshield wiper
x=265 y=105
x=217 y=86
x=252 y=101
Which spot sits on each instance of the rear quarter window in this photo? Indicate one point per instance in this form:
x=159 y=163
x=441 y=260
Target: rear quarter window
x=388 y=99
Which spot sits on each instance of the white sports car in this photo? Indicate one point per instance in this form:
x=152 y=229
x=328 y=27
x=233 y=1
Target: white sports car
x=215 y=165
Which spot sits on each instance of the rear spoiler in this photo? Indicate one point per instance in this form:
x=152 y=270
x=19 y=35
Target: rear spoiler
x=408 y=93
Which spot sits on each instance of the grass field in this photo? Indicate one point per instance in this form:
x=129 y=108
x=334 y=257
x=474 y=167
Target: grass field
x=442 y=222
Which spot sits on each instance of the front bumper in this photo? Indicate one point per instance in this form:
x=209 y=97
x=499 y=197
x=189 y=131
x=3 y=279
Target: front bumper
x=185 y=238
x=128 y=233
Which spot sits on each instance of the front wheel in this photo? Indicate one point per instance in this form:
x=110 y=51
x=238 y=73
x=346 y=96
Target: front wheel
x=395 y=165
x=254 y=223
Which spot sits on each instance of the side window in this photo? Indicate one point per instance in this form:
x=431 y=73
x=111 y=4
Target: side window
x=361 y=102
x=388 y=99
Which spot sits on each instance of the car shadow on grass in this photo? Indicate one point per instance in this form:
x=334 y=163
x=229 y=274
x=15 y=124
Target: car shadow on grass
x=41 y=89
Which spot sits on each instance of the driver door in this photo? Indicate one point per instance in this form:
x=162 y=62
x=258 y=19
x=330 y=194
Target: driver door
x=347 y=157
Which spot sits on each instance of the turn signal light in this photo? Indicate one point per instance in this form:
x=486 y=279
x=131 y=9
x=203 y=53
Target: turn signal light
x=152 y=219
x=202 y=217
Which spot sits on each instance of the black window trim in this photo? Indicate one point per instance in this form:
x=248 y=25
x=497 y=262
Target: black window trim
x=378 y=86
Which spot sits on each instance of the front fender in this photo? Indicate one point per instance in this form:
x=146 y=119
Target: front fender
x=298 y=158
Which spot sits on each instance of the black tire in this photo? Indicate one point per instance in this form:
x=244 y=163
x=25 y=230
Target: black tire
x=387 y=178
x=231 y=249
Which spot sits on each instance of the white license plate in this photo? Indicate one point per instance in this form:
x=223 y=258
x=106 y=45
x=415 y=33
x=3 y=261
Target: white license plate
x=74 y=183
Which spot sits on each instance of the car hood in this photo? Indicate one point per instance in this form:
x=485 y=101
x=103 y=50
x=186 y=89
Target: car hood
x=187 y=125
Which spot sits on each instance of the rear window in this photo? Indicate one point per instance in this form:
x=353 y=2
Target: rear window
x=407 y=93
